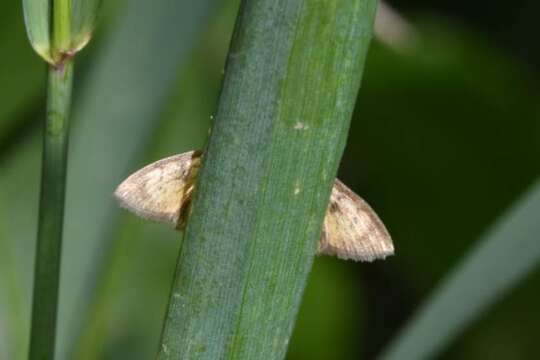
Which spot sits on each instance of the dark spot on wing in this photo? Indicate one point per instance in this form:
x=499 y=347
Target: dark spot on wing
x=334 y=207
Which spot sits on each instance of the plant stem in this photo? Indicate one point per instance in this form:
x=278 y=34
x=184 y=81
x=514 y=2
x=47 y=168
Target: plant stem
x=61 y=25
x=51 y=212
x=293 y=73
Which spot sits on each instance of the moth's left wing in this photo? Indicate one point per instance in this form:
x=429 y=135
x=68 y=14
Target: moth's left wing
x=160 y=191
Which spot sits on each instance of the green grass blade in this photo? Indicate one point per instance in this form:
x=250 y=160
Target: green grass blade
x=293 y=72
x=126 y=90
x=38 y=25
x=61 y=28
x=496 y=265
x=84 y=15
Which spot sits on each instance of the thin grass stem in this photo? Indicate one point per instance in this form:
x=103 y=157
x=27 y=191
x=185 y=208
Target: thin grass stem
x=51 y=213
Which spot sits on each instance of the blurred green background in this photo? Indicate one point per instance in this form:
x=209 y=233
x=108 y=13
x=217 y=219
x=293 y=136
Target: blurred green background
x=444 y=140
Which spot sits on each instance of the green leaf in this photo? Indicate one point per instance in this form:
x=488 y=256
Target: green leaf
x=498 y=263
x=293 y=72
x=59 y=28
x=84 y=15
x=37 y=19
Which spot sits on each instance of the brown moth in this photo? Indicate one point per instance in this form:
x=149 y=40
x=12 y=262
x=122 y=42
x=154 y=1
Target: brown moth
x=162 y=191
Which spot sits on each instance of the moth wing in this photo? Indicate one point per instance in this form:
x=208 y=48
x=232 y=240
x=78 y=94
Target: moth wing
x=160 y=191
x=352 y=230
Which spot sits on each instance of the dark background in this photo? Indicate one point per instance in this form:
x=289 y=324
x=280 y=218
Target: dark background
x=445 y=137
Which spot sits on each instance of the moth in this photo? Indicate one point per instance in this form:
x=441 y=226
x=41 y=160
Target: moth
x=162 y=192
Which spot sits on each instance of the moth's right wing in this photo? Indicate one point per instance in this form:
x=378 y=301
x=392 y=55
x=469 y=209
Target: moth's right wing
x=352 y=230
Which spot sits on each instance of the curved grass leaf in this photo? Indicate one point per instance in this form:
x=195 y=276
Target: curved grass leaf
x=497 y=264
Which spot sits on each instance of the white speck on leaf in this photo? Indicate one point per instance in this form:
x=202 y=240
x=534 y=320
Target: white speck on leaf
x=297 y=187
x=300 y=126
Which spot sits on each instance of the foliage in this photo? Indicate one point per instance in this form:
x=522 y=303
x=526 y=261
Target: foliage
x=444 y=139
